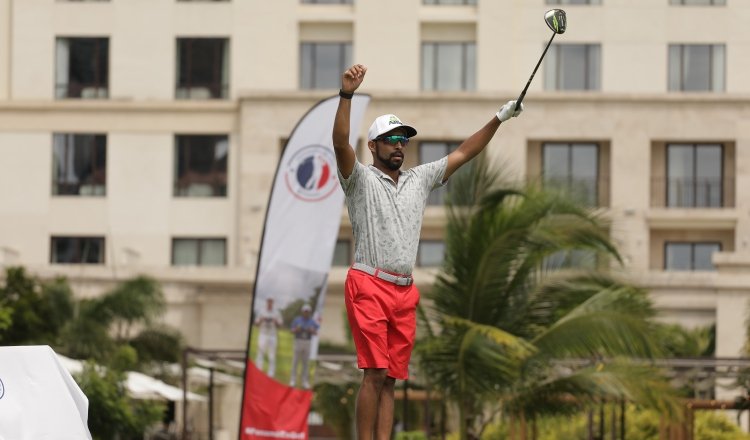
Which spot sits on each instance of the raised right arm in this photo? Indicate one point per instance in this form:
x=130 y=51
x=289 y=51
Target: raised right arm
x=345 y=157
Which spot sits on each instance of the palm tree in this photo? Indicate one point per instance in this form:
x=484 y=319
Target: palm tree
x=124 y=316
x=507 y=327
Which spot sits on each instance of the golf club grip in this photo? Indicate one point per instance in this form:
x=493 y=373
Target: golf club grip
x=520 y=97
x=528 y=83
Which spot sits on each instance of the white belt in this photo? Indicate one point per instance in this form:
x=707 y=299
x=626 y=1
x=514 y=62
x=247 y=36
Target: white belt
x=395 y=279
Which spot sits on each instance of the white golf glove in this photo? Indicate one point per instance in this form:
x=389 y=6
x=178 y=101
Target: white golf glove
x=508 y=111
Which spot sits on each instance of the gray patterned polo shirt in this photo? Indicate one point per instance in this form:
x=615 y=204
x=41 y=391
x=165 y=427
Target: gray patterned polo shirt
x=387 y=218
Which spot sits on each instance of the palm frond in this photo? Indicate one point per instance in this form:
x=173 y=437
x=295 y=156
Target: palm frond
x=472 y=357
x=574 y=389
x=557 y=294
x=611 y=322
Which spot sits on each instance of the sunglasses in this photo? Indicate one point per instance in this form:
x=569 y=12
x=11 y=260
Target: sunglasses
x=393 y=140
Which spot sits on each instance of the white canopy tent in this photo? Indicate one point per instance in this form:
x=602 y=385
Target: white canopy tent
x=139 y=385
x=38 y=397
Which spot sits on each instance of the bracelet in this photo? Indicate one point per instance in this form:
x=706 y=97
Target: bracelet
x=345 y=95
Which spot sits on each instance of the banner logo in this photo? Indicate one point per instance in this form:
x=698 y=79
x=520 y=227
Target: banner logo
x=311 y=173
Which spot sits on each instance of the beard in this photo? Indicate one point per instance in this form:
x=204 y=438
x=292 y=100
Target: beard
x=393 y=161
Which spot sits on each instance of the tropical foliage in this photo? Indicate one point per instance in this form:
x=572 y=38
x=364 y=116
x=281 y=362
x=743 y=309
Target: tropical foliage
x=124 y=316
x=33 y=312
x=335 y=402
x=112 y=414
x=509 y=328
x=641 y=424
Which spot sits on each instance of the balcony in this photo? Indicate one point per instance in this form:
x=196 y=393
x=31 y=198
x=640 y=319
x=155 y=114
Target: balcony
x=590 y=191
x=692 y=193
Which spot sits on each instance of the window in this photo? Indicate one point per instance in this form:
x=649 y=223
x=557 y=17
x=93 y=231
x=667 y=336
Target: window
x=432 y=151
x=572 y=67
x=574 y=2
x=342 y=253
x=77 y=250
x=199 y=252
x=698 y=2
x=573 y=168
x=689 y=256
x=79 y=164
x=431 y=253
x=321 y=64
x=571 y=259
x=450 y=2
x=696 y=67
x=694 y=175
x=449 y=66
x=202 y=68
x=82 y=68
x=201 y=165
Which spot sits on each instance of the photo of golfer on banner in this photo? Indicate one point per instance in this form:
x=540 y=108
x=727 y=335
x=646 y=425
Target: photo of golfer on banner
x=386 y=206
x=281 y=339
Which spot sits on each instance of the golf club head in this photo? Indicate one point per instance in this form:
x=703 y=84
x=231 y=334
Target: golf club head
x=555 y=19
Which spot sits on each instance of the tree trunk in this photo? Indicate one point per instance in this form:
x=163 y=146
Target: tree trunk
x=463 y=431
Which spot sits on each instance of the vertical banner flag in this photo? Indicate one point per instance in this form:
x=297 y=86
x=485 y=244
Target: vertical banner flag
x=301 y=227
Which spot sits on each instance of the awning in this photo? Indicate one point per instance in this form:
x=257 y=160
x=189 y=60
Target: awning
x=139 y=385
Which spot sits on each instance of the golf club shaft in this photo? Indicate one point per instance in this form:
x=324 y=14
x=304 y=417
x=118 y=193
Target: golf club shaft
x=520 y=98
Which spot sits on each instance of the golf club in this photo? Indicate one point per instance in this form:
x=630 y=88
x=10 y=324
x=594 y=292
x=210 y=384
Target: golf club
x=555 y=19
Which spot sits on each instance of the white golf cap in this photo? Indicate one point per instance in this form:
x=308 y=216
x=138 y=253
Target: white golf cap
x=386 y=123
x=306 y=308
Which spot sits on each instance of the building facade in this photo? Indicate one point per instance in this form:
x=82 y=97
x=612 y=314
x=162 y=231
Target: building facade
x=143 y=136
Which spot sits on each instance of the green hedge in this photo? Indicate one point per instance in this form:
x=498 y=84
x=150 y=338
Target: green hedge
x=411 y=435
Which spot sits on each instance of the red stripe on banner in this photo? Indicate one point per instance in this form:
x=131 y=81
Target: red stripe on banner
x=273 y=410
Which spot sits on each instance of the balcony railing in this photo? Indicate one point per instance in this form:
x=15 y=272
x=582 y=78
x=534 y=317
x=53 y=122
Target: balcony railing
x=692 y=192
x=592 y=192
x=212 y=90
x=75 y=89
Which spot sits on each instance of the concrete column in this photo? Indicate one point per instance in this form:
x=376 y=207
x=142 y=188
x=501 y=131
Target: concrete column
x=732 y=308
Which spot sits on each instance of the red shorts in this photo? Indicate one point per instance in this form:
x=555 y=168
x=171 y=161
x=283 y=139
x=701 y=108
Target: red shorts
x=382 y=317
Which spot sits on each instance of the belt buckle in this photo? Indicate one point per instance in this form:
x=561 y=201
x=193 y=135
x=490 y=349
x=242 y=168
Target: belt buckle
x=404 y=281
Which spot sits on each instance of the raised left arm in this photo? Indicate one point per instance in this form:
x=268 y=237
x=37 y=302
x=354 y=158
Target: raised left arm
x=477 y=141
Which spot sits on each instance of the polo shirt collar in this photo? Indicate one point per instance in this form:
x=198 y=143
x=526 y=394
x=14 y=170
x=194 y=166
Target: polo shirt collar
x=383 y=175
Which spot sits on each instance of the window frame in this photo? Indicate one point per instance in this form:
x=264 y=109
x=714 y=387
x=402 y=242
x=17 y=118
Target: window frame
x=344 y=47
x=589 y=85
x=464 y=86
x=63 y=90
x=448 y=147
x=569 y=177
x=179 y=190
x=199 y=249
x=79 y=238
x=349 y=252
x=217 y=90
x=69 y=142
x=419 y=262
x=692 y=244
x=695 y=146
x=681 y=86
x=572 y=259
